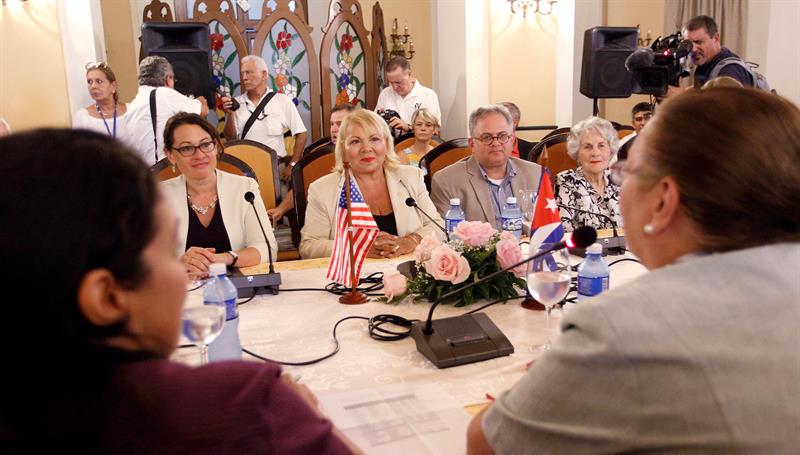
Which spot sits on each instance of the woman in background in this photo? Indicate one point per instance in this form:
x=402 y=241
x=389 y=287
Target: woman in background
x=106 y=115
x=592 y=143
x=90 y=354
x=425 y=125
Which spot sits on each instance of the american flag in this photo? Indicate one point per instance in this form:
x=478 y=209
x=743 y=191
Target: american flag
x=364 y=231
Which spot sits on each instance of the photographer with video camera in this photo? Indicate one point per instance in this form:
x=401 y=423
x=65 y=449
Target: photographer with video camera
x=712 y=59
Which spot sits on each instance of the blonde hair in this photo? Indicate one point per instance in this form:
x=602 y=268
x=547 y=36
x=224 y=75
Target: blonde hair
x=426 y=115
x=368 y=121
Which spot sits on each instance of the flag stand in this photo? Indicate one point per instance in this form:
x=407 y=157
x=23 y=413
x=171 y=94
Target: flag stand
x=354 y=297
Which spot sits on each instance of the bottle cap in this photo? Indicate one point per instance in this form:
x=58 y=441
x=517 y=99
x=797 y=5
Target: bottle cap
x=455 y=201
x=511 y=200
x=217 y=269
x=595 y=248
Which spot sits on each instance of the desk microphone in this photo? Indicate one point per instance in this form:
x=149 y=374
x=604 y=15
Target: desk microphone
x=411 y=202
x=474 y=337
x=614 y=245
x=249 y=285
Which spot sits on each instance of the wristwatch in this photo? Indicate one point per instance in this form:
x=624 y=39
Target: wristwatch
x=235 y=258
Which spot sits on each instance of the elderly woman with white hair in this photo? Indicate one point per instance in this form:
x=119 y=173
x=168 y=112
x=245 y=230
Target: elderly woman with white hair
x=588 y=188
x=366 y=143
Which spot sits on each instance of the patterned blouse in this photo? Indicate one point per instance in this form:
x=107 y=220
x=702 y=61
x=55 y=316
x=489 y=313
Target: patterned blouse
x=572 y=189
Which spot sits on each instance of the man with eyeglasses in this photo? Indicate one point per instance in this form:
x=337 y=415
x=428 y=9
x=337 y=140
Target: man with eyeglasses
x=484 y=181
x=156 y=75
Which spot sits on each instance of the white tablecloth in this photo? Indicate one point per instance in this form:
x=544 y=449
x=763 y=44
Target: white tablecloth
x=296 y=326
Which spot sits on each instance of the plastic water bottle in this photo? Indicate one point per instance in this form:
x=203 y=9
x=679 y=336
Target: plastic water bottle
x=511 y=217
x=454 y=215
x=220 y=290
x=593 y=273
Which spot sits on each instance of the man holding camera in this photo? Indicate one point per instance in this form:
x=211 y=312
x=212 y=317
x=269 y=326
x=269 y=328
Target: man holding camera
x=712 y=59
x=404 y=95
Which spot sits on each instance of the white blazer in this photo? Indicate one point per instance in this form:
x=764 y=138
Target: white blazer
x=402 y=182
x=237 y=214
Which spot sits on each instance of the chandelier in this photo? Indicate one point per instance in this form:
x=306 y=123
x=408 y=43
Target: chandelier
x=543 y=7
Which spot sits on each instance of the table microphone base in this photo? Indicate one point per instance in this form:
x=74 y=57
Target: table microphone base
x=353 y=298
x=460 y=340
x=250 y=285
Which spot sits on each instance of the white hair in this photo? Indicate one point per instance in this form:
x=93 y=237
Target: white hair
x=261 y=65
x=485 y=111
x=602 y=126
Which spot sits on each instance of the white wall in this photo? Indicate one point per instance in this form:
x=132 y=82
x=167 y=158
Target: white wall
x=771 y=29
x=84 y=43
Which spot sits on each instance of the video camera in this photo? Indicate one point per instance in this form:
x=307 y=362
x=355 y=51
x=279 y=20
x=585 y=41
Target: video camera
x=653 y=69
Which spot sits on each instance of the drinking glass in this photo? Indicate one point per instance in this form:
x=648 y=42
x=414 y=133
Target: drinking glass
x=549 y=281
x=202 y=324
x=526 y=200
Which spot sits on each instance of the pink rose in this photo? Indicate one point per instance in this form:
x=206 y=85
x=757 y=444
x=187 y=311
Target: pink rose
x=423 y=251
x=394 y=284
x=508 y=235
x=447 y=264
x=474 y=233
x=508 y=254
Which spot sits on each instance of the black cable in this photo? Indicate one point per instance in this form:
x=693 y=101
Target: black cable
x=623 y=260
x=376 y=332
x=302 y=289
x=374 y=282
x=246 y=300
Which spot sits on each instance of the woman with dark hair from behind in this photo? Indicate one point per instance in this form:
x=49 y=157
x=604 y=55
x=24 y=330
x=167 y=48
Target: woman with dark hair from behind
x=96 y=253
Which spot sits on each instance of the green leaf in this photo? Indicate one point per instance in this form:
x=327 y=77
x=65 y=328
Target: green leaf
x=298 y=58
x=272 y=42
x=230 y=59
x=305 y=105
x=216 y=27
x=336 y=43
x=357 y=60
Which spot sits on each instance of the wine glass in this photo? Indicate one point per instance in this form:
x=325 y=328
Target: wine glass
x=549 y=280
x=202 y=324
x=526 y=200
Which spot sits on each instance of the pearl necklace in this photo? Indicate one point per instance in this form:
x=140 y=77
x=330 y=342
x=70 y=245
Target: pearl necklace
x=202 y=210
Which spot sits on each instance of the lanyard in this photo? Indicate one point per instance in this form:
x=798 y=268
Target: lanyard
x=100 y=113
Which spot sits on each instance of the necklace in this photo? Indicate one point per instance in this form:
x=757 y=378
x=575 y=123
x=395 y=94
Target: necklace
x=202 y=210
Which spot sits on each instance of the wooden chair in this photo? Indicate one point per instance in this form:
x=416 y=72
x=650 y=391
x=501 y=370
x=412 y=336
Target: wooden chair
x=552 y=154
x=316 y=145
x=622 y=130
x=405 y=140
x=264 y=162
x=310 y=167
x=557 y=131
x=622 y=153
x=444 y=155
x=163 y=169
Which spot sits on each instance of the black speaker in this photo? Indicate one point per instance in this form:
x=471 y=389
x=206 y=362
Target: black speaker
x=603 y=73
x=187 y=46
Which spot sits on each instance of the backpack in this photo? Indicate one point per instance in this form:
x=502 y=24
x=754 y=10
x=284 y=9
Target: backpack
x=759 y=81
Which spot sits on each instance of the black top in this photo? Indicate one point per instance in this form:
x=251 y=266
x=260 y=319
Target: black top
x=737 y=72
x=386 y=223
x=213 y=236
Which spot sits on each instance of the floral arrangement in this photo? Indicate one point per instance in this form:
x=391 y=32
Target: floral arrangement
x=476 y=251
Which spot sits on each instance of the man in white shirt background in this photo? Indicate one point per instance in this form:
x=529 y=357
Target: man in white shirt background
x=278 y=115
x=155 y=73
x=405 y=94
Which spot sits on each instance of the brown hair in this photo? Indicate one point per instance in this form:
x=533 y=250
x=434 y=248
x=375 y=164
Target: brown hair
x=106 y=70
x=397 y=62
x=706 y=22
x=343 y=107
x=185 y=118
x=735 y=155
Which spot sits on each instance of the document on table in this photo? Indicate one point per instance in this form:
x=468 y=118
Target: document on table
x=404 y=418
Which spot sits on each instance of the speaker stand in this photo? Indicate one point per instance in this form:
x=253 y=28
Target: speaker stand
x=595 y=107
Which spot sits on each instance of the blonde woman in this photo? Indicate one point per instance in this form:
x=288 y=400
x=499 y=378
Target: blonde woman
x=366 y=143
x=106 y=115
x=425 y=125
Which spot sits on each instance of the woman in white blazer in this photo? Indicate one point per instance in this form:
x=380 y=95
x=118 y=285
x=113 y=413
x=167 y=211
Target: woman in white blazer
x=385 y=184
x=215 y=223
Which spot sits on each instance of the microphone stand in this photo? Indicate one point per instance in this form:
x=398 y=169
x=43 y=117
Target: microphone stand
x=615 y=249
x=411 y=202
x=354 y=297
x=250 y=285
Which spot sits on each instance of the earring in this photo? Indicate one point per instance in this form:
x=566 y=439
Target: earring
x=649 y=229
x=174 y=168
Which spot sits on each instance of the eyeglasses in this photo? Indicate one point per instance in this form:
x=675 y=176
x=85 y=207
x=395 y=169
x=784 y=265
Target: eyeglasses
x=96 y=65
x=487 y=139
x=188 y=150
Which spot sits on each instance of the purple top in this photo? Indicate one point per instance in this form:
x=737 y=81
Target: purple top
x=224 y=407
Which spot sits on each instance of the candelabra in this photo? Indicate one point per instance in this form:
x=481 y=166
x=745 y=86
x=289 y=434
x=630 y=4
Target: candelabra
x=543 y=7
x=402 y=45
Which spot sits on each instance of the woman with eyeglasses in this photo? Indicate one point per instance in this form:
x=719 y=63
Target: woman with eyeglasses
x=589 y=188
x=107 y=114
x=215 y=223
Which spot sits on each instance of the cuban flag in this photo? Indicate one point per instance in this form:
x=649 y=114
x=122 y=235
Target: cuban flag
x=546 y=225
x=363 y=229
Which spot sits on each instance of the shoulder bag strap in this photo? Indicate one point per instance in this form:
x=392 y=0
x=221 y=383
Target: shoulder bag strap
x=256 y=113
x=153 y=119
